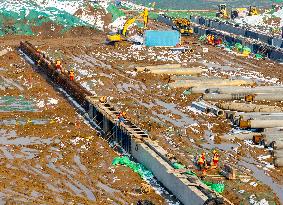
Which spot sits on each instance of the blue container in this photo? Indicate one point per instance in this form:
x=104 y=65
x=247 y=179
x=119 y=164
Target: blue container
x=162 y=38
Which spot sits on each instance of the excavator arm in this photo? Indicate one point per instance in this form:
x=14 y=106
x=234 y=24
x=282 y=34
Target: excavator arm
x=129 y=22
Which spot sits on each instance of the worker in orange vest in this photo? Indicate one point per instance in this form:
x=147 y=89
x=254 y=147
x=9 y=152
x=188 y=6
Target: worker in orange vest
x=202 y=161
x=72 y=75
x=215 y=159
x=208 y=38
x=121 y=117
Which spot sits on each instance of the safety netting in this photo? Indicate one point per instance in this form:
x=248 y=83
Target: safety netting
x=22 y=20
x=136 y=167
x=217 y=187
x=115 y=12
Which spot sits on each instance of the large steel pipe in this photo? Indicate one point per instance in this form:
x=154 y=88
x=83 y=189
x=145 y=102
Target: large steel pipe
x=246 y=90
x=278 y=162
x=261 y=123
x=190 y=83
x=244 y=107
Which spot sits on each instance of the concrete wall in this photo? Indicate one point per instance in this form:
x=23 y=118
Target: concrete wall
x=188 y=195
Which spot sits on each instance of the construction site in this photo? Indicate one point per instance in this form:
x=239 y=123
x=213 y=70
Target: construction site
x=118 y=102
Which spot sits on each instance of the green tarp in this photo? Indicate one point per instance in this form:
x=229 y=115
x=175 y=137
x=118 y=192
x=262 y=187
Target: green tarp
x=136 y=167
x=218 y=187
x=22 y=21
x=116 y=13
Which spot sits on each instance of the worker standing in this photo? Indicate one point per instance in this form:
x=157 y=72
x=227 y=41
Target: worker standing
x=202 y=161
x=58 y=66
x=72 y=75
x=215 y=159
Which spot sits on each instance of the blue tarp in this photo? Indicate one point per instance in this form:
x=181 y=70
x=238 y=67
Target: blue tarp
x=162 y=38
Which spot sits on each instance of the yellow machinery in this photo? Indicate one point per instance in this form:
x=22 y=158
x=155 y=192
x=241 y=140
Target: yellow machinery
x=183 y=26
x=121 y=35
x=222 y=11
x=253 y=11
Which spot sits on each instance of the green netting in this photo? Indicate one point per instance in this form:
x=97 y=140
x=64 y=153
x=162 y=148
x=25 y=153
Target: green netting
x=116 y=13
x=202 y=38
x=11 y=103
x=218 y=187
x=180 y=166
x=25 y=19
x=152 y=15
x=136 y=167
x=258 y=56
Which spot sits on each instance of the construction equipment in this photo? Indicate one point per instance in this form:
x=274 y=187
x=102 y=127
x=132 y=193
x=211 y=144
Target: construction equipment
x=222 y=11
x=122 y=34
x=183 y=26
x=253 y=11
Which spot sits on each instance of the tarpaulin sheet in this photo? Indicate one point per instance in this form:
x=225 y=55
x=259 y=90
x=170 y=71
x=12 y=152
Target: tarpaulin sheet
x=162 y=38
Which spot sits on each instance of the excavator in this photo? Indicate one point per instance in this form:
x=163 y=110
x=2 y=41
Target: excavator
x=253 y=11
x=222 y=11
x=122 y=34
x=183 y=26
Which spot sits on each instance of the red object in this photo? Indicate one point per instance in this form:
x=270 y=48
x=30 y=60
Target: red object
x=72 y=77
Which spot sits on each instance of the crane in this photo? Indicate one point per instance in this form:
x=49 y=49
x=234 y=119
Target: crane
x=122 y=35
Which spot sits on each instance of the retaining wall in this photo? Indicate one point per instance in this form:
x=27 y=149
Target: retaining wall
x=188 y=189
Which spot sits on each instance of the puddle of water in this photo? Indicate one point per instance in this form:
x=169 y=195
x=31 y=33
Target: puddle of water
x=11 y=138
x=259 y=174
x=126 y=87
x=209 y=144
x=106 y=188
x=24 y=122
x=185 y=120
x=81 y=61
x=77 y=160
x=6 y=153
x=75 y=189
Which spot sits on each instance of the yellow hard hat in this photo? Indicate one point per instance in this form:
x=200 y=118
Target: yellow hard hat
x=214 y=151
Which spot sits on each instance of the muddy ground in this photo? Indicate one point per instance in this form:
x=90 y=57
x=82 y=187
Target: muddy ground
x=165 y=113
x=49 y=153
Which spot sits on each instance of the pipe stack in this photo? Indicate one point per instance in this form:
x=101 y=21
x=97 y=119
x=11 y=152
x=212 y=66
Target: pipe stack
x=207 y=108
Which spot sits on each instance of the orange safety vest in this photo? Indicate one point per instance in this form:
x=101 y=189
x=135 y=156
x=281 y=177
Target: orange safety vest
x=216 y=157
x=72 y=74
x=200 y=160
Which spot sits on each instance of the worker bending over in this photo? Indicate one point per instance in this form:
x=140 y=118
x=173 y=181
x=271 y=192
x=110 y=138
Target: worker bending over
x=121 y=117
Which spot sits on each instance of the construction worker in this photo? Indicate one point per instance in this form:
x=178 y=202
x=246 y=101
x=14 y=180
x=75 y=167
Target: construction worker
x=212 y=40
x=58 y=66
x=201 y=161
x=121 y=117
x=215 y=159
x=208 y=38
x=103 y=99
x=72 y=75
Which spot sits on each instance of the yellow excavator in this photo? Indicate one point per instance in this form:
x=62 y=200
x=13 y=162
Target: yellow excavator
x=222 y=11
x=183 y=26
x=253 y=11
x=122 y=34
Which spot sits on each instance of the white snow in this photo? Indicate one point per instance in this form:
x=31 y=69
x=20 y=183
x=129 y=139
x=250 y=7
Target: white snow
x=52 y=101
